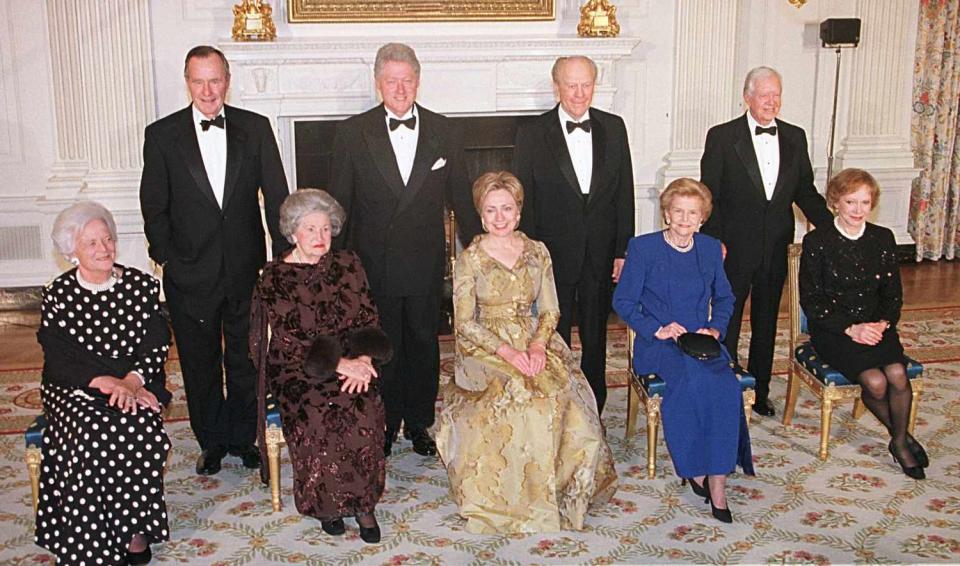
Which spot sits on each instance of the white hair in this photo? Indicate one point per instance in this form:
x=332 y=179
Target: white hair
x=757 y=74
x=73 y=219
x=307 y=201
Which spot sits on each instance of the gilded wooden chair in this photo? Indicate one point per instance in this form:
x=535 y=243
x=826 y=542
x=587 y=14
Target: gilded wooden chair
x=827 y=384
x=274 y=439
x=33 y=439
x=648 y=390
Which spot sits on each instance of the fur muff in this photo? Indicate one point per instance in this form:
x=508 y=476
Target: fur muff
x=323 y=357
x=371 y=342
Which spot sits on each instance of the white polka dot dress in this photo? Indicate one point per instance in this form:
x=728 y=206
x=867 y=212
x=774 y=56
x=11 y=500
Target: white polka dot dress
x=101 y=474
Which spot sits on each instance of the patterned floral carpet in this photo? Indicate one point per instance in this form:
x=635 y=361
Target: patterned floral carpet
x=856 y=507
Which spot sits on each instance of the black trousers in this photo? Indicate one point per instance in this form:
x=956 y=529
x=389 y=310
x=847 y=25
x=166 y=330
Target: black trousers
x=764 y=288
x=590 y=301
x=212 y=334
x=412 y=378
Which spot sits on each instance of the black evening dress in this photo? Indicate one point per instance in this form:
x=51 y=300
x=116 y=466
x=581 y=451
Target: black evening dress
x=845 y=281
x=101 y=473
x=335 y=439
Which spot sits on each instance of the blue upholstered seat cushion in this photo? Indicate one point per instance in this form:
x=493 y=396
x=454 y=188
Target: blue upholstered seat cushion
x=653 y=384
x=34 y=433
x=827 y=375
x=273 y=411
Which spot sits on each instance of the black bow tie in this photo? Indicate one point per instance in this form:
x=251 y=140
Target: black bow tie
x=410 y=122
x=571 y=126
x=218 y=122
x=772 y=130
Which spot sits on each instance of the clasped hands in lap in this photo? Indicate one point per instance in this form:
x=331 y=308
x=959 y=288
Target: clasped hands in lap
x=673 y=331
x=127 y=394
x=867 y=333
x=529 y=363
x=356 y=373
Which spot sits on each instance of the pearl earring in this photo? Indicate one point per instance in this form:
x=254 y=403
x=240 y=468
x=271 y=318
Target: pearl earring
x=75 y=261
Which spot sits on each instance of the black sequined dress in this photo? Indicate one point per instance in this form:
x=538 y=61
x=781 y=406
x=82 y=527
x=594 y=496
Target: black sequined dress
x=845 y=281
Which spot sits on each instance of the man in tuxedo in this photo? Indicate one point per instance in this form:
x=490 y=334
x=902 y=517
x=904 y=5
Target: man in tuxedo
x=394 y=168
x=574 y=163
x=757 y=167
x=203 y=169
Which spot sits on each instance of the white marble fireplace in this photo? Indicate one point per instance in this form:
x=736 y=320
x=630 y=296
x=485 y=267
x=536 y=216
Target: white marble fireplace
x=311 y=79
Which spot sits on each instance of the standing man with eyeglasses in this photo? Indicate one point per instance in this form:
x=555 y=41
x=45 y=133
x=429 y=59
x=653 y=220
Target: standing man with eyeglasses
x=757 y=166
x=395 y=168
x=204 y=168
x=575 y=166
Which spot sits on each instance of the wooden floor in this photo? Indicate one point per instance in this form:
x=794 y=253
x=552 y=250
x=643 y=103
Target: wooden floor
x=926 y=285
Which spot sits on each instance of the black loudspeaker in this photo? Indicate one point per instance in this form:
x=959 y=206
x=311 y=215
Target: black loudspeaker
x=837 y=32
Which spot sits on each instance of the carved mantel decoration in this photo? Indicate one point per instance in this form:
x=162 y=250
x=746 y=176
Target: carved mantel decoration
x=302 y=11
x=252 y=21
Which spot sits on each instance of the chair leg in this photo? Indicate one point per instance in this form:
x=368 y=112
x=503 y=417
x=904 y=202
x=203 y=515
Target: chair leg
x=33 y=470
x=859 y=409
x=653 y=419
x=273 y=458
x=793 y=390
x=914 y=405
x=749 y=398
x=826 y=412
x=633 y=403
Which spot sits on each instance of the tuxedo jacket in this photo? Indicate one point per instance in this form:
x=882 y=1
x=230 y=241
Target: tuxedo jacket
x=205 y=248
x=396 y=229
x=757 y=231
x=584 y=235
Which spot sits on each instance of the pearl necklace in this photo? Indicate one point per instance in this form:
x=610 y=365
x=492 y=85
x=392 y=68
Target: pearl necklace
x=678 y=247
x=97 y=287
x=300 y=259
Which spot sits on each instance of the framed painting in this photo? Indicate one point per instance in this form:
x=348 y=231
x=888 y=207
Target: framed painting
x=317 y=11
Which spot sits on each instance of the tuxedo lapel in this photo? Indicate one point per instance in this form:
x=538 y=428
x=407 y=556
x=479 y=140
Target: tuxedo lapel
x=599 y=142
x=748 y=155
x=557 y=144
x=788 y=153
x=235 y=140
x=190 y=151
x=378 y=143
x=428 y=150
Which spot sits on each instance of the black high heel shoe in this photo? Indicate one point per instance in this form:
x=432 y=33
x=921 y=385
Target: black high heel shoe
x=370 y=535
x=334 y=527
x=142 y=557
x=918 y=452
x=722 y=515
x=699 y=490
x=915 y=472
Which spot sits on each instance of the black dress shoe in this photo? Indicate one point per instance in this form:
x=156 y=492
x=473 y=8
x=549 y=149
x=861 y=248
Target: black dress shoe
x=722 y=515
x=388 y=442
x=764 y=408
x=918 y=452
x=248 y=453
x=334 y=527
x=702 y=490
x=142 y=557
x=423 y=444
x=370 y=535
x=208 y=463
x=915 y=472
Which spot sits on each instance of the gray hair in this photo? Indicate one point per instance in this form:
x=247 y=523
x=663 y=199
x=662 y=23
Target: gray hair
x=559 y=63
x=72 y=220
x=202 y=52
x=307 y=201
x=757 y=74
x=398 y=53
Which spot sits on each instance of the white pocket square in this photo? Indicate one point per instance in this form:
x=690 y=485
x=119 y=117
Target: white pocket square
x=439 y=164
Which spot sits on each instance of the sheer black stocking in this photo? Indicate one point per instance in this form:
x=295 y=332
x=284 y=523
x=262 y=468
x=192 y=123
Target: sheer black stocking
x=887 y=394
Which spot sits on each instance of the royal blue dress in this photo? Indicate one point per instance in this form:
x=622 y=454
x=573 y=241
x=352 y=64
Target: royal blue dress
x=702 y=409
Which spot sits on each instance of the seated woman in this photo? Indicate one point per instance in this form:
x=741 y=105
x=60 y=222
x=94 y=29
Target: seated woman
x=673 y=283
x=850 y=291
x=519 y=431
x=104 y=341
x=318 y=363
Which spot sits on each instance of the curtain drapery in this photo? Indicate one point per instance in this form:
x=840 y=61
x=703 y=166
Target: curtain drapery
x=935 y=194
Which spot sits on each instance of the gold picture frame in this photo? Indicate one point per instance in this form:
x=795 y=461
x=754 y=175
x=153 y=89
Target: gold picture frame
x=326 y=11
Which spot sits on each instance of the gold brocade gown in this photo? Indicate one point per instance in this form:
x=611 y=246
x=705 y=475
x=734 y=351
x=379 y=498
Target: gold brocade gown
x=523 y=454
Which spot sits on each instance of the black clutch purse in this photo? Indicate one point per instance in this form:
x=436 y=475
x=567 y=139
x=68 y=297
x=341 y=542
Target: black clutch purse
x=699 y=346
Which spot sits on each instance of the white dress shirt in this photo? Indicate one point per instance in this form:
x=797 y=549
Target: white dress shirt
x=767 y=148
x=213 y=149
x=580 y=146
x=404 y=142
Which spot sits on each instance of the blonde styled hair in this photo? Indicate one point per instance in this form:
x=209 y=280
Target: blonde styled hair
x=686 y=187
x=495 y=181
